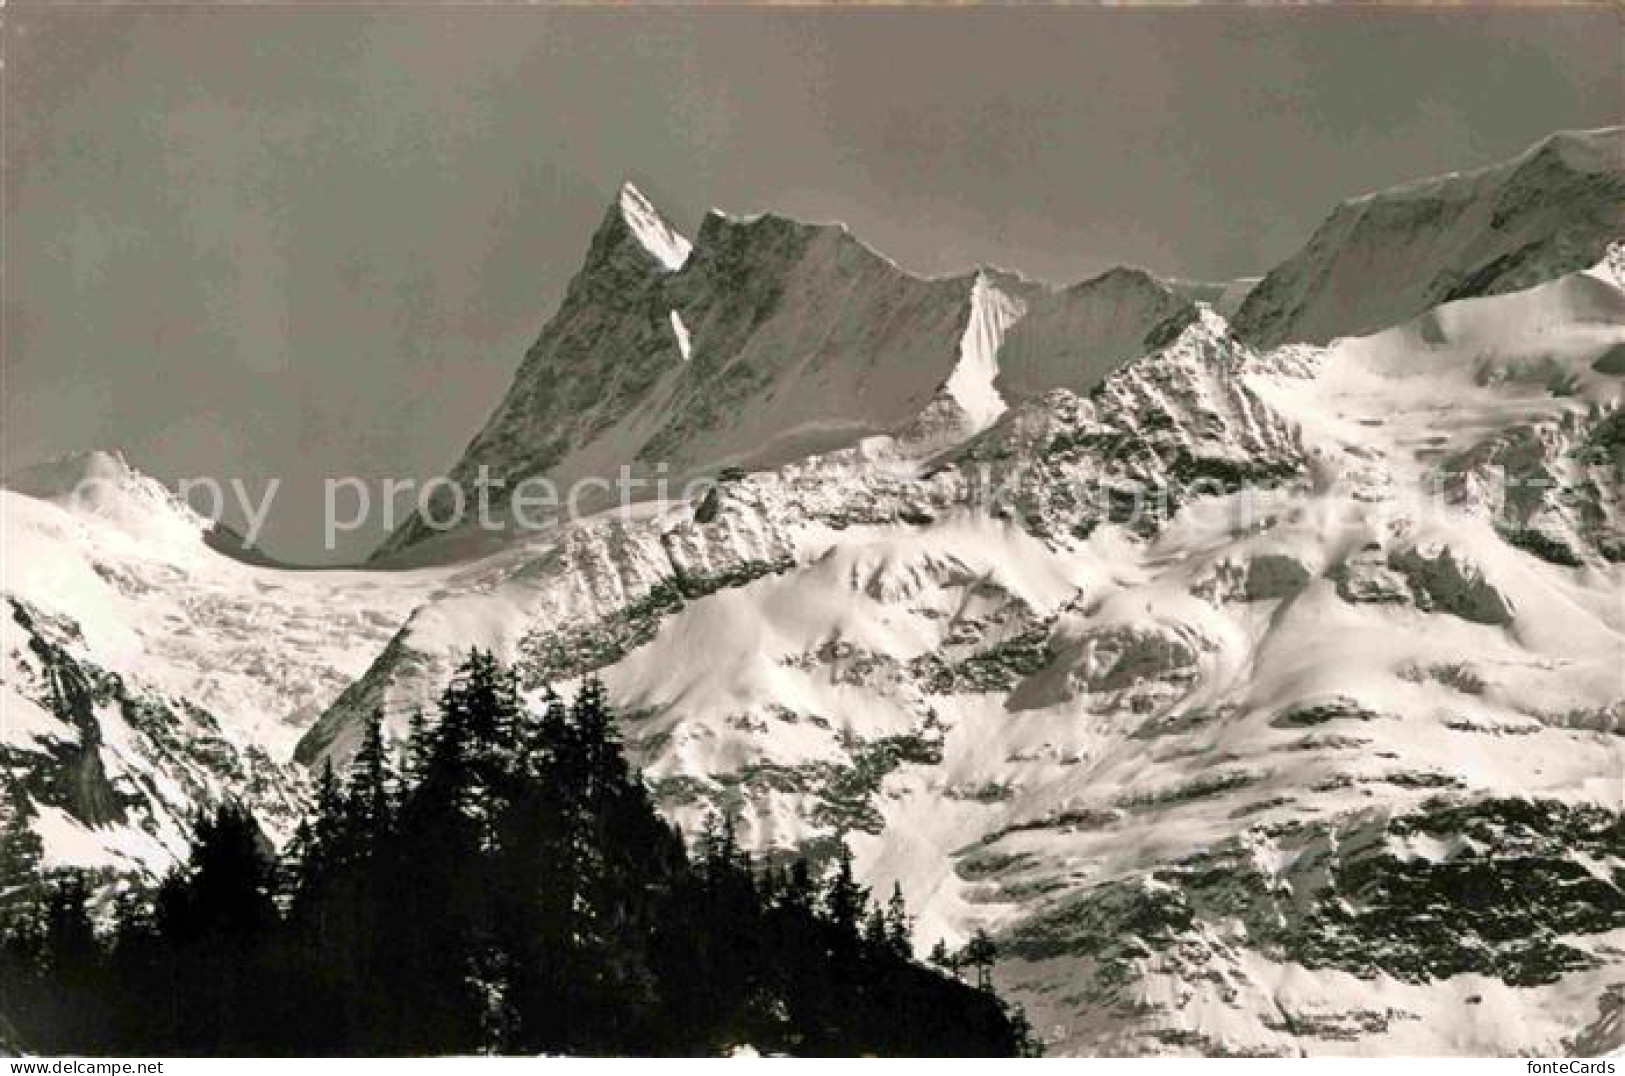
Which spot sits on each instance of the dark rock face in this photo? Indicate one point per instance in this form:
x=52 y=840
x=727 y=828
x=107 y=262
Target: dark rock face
x=798 y=338
x=1551 y=481
x=1432 y=577
x=1273 y=576
x=1522 y=891
x=1319 y=712
x=173 y=758
x=1382 y=259
x=1442 y=579
x=74 y=779
x=770 y=340
x=1500 y=907
x=1166 y=429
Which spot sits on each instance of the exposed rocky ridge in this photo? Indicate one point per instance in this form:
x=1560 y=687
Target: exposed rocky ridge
x=113 y=769
x=1550 y=481
x=1385 y=257
x=1175 y=425
x=1534 y=890
x=769 y=340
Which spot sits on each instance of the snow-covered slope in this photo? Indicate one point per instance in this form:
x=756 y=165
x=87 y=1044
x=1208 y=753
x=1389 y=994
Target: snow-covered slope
x=1260 y=700
x=768 y=340
x=1241 y=740
x=143 y=672
x=1388 y=256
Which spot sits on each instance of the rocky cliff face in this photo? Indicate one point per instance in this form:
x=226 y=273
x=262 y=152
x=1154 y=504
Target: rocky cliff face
x=1386 y=257
x=110 y=769
x=769 y=340
x=144 y=673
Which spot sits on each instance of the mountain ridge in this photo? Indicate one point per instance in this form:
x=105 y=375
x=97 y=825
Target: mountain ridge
x=1222 y=682
x=768 y=339
x=1551 y=210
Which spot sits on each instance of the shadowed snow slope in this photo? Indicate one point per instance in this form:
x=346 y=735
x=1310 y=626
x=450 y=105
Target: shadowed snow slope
x=1388 y=256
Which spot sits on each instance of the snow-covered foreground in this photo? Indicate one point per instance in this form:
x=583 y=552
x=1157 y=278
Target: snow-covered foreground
x=1259 y=701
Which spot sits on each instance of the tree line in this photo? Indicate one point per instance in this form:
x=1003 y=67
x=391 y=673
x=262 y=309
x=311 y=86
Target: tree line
x=504 y=886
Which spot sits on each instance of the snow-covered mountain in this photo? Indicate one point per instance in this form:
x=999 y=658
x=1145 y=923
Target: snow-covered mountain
x=144 y=672
x=1183 y=685
x=1388 y=256
x=767 y=340
x=1260 y=699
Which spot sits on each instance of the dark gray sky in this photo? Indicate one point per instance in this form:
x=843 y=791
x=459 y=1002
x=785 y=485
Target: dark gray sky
x=301 y=242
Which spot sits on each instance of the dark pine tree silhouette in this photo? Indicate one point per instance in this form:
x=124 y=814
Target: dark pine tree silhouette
x=512 y=889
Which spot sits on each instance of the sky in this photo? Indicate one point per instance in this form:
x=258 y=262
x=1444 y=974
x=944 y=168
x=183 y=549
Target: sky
x=302 y=242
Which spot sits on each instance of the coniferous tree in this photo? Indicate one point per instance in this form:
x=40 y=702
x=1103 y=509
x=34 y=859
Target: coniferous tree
x=418 y=744
x=141 y=992
x=22 y=984
x=370 y=794
x=21 y=851
x=899 y=926
x=845 y=899
x=514 y=890
x=874 y=928
x=980 y=954
x=217 y=913
x=73 y=960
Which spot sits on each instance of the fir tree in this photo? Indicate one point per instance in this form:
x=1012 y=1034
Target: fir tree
x=20 y=850
x=899 y=925
x=980 y=954
x=514 y=891
x=369 y=797
x=845 y=899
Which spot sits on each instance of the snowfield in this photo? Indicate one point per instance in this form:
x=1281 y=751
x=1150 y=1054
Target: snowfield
x=1260 y=695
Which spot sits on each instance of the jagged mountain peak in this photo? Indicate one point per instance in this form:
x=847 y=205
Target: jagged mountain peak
x=732 y=236
x=774 y=339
